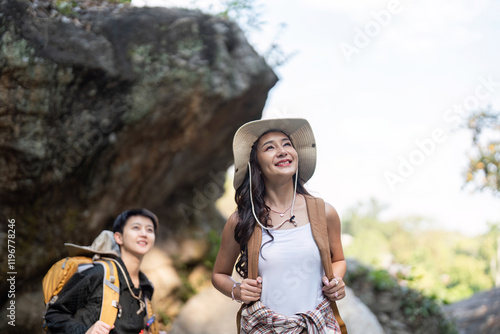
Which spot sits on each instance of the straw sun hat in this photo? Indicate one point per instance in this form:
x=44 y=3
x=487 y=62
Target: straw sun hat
x=299 y=131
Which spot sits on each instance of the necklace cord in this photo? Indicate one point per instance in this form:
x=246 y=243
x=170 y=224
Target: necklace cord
x=281 y=213
x=293 y=202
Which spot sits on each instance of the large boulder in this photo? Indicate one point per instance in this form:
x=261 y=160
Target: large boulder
x=209 y=312
x=479 y=314
x=357 y=316
x=105 y=108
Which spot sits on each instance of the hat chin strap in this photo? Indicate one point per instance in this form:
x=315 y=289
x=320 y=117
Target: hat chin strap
x=292 y=217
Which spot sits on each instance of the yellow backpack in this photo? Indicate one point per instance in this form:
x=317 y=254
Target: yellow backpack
x=61 y=272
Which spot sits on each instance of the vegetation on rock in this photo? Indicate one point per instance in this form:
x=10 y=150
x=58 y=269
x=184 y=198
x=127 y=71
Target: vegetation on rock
x=399 y=309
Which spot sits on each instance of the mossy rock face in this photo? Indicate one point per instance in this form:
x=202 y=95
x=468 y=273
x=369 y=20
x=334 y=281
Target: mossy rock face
x=113 y=108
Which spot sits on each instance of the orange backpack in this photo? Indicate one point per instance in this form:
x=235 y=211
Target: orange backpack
x=61 y=272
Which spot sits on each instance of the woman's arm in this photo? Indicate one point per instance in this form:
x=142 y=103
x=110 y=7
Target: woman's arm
x=335 y=289
x=334 y=234
x=229 y=250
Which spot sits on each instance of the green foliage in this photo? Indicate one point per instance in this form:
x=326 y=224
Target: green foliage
x=65 y=7
x=382 y=280
x=416 y=306
x=186 y=290
x=242 y=11
x=484 y=164
x=214 y=240
x=447 y=327
x=163 y=317
x=489 y=244
x=364 y=242
x=248 y=15
x=445 y=265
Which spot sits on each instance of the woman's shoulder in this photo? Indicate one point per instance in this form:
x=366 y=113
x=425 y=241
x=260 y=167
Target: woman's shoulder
x=332 y=216
x=330 y=211
x=233 y=220
x=328 y=206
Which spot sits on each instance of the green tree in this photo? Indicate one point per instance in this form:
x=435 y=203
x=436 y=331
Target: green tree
x=484 y=165
x=490 y=251
x=484 y=173
x=245 y=12
x=248 y=14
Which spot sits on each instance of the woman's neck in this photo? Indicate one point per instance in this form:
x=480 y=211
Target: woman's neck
x=279 y=196
x=132 y=263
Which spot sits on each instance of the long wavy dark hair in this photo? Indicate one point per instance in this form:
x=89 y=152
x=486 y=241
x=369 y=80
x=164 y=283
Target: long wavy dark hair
x=246 y=221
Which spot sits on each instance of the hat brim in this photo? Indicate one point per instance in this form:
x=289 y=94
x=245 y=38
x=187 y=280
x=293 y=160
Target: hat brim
x=300 y=133
x=104 y=244
x=76 y=250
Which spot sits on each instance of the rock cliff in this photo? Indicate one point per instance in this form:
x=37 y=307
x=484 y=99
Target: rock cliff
x=104 y=108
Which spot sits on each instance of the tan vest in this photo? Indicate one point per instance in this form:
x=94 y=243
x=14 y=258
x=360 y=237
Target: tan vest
x=316 y=212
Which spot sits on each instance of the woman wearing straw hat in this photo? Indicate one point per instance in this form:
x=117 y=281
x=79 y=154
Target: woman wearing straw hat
x=271 y=239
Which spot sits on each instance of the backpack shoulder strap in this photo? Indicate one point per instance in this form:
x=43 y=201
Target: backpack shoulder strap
x=110 y=292
x=317 y=217
x=253 y=248
x=152 y=324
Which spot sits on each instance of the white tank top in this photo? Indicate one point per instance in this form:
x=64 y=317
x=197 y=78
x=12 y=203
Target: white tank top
x=291 y=271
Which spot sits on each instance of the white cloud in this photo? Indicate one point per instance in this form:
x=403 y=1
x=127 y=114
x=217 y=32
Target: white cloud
x=442 y=13
x=357 y=10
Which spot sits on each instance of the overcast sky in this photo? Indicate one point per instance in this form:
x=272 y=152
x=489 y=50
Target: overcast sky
x=385 y=86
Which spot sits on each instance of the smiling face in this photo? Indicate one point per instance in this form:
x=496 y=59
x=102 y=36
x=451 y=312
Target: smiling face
x=138 y=236
x=276 y=156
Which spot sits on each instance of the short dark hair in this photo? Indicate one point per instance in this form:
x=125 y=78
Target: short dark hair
x=122 y=218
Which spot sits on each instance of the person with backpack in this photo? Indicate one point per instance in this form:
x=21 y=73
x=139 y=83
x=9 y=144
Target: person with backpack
x=78 y=306
x=285 y=243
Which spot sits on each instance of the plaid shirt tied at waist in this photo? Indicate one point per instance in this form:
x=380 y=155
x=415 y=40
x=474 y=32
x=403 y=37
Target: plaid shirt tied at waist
x=259 y=319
